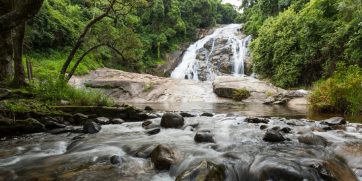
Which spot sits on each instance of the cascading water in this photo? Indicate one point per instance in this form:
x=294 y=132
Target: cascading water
x=224 y=52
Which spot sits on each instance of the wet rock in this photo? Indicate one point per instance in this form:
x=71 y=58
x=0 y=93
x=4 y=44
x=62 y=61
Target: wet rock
x=204 y=137
x=148 y=108
x=286 y=130
x=263 y=126
x=257 y=120
x=115 y=159
x=172 y=120
x=276 y=128
x=53 y=125
x=153 y=131
x=204 y=171
x=18 y=127
x=273 y=136
x=312 y=139
x=146 y=123
x=206 y=114
x=80 y=118
x=61 y=130
x=152 y=116
x=91 y=127
x=102 y=120
x=117 y=121
x=334 y=121
x=163 y=157
x=295 y=122
x=187 y=115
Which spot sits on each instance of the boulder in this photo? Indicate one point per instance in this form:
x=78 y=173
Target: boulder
x=312 y=139
x=148 y=108
x=115 y=159
x=204 y=137
x=286 y=130
x=206 y=114
x=163 y=157
x=49 y=124
x=334 y=121
x=117 y=121
x=257 y=120
x=102 y=120
x=263 y=126
x=273 y=136
x=172 y=120
x=153 y=131
x=80 y=118
x=204 y=171
x=187 y=115
x=91 y=127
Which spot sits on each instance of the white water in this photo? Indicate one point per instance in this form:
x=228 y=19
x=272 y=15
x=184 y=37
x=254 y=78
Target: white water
x=189 y=66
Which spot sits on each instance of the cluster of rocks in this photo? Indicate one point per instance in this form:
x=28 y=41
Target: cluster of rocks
x=284 y=98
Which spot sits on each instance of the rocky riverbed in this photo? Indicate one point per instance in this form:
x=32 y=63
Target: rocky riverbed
x=188 y=145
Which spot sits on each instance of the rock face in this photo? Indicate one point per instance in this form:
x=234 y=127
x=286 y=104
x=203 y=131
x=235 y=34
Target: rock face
x=163 y=157
x=172 y=120
x=91 y=127
x=312 y=139
x=204 y=171
x=273 y=136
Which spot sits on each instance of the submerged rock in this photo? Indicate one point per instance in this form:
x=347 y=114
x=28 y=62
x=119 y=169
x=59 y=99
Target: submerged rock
x=172 y=120
x=312 y=139
x=206 y=114
x=117 y=121
x=256 y=120
x=163 y=157
x=273 y=136
x=153 y=131
x=115 y=159
x=334 y=121
x=204 y=171
x=204 y=137
x=91 y=127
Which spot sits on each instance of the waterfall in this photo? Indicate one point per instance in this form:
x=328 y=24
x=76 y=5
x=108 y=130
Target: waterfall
x=192 y=68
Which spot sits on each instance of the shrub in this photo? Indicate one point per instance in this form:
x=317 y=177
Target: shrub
x=340 y=93
x=241 y=94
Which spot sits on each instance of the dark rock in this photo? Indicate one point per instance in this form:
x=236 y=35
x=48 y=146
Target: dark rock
x=102 y=120
x=163 y=157
x=273 y=136
x=334 y=121
x=312 y=139
x=204 y=171
x=61 y=130
x=80 y=118
x=115 y=159
x=276 y=128
x=145 y=124
x=206 y=114
x=148 y=108
x=257 y=120
x=79 y=137
x=91 y=127
x=53 y=125
x=286 y=130
x=204 y=137
x=187 y=115
x=117 y=121
x=172 y=120
x=153 y=131
x=263 y=126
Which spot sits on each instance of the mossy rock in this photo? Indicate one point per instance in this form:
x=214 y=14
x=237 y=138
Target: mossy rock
x=10 y=127
x=241 y=94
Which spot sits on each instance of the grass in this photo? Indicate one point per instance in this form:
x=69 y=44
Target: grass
x=241 y=94
x=340 y=93
x=50 y=63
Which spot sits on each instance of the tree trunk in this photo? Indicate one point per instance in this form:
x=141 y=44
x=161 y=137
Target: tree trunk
x=19 y=74
x=6 y=48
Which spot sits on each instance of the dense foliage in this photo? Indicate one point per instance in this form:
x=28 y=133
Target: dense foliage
x=340 y=93
x=302 y=43
x=143 y=35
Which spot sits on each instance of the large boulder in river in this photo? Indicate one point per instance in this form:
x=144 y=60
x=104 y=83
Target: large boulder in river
x=172 y=120
x=163 y=157
x=335 y=121
x=204 y=171
x=91 y=127
x=204 y=137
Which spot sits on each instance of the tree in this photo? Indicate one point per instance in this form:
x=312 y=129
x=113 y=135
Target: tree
x=13 y=16
x=115 y=10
